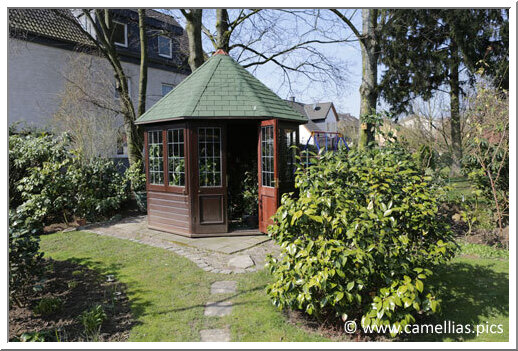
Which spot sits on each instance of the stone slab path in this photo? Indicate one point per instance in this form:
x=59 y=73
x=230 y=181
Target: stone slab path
x=219 y=309
x=215 y=335
x=226 y=255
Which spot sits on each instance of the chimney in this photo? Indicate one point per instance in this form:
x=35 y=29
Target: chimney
x=292 y=98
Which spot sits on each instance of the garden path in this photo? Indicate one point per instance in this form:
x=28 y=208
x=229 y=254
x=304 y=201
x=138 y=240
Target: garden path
x=227 y=255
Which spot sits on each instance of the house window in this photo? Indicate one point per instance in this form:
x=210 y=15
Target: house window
x=176 y=157
x=166 y=88
x=267 y=171
x=209 y=156
x=120 y=34
x=165 y=47
x=156 y=157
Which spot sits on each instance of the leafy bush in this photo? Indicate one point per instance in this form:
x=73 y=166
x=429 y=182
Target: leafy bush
x=92 y=321
x=495 y=160
x=27 y=152
x=53 y=184
x=48 y=306
x=25 y=260
x=361 y=240
x=136 y=176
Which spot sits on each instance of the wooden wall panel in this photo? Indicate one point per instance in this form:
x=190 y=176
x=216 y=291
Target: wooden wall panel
x=169 y=212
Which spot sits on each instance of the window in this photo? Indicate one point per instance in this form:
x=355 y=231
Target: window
x=165 y=47
x=176 y=157
x=166 y=88
x=209 y=156
x=267 y=171
x=120 y=34
x=156 y=157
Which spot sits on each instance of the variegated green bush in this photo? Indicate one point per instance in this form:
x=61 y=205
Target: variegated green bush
x=361 y=240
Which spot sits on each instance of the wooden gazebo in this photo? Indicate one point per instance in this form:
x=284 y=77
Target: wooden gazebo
x=198 y=135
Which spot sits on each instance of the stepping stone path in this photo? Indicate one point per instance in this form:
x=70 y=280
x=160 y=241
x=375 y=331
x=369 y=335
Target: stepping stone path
x=219 y=309
x=224 y=287
x=242 y=262
x=215 y=335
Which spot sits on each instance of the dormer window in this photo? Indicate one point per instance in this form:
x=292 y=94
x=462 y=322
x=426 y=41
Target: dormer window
x=165 y=47
x=120 y=34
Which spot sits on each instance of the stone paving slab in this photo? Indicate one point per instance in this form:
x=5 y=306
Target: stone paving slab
x=224 y=287
x=215 y=335
x=136 y=227
x=218 y=309
x=213 y=261
x=241 y=261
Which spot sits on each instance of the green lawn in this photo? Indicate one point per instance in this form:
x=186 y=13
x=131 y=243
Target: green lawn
x=168 y=292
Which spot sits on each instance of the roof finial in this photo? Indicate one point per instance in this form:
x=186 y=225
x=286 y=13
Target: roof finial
x=220 y=52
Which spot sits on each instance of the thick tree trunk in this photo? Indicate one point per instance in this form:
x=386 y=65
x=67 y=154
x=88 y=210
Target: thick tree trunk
x=456 y=135
x=368 y=88
x=193 y=29
x=222 y=28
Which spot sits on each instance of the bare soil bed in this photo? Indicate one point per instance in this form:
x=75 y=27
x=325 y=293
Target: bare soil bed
x=79 y=289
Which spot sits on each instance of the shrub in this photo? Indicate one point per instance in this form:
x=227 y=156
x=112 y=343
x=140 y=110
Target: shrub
x=92 y=321
x=27 y=152
x=25 y=260
x=488 y=171
x=361 y=240
x=53 y=184
x=136 y=176
x=48 y=306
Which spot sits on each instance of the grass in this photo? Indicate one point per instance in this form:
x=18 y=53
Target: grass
x=168 y=292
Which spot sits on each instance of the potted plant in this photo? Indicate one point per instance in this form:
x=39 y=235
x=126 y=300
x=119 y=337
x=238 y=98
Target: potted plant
x=136 y=177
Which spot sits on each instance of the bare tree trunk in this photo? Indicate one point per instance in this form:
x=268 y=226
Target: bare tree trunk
x=222 y=28
x=456 y=136
x=143 y=63
x=368 y=88
x=193 y=29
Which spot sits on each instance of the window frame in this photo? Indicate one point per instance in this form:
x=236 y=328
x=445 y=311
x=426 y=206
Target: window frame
x=172 y=86
x=125 y=44
x=185 y=159
x=166 y=187
x=170 y=55
x=148 y=159
x=198 y=158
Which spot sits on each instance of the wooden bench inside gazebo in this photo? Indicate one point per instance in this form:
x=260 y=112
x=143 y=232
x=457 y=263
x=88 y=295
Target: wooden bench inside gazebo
x=198 y=138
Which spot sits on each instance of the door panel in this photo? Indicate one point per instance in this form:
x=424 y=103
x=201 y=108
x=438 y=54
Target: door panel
x=210 y=214
x=268 y=177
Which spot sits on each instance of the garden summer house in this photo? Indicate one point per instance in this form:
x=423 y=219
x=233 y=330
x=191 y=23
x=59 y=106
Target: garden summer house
x=204 y=138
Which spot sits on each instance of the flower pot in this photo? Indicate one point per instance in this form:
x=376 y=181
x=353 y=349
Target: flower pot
x=141 y=199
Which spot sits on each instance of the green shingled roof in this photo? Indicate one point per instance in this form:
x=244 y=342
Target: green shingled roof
x=220 y=88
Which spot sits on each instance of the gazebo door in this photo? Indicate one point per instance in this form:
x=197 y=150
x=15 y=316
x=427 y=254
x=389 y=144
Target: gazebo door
x=268 y=176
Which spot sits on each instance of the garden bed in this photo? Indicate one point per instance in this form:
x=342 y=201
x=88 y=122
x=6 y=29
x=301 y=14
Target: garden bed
x=79 y=289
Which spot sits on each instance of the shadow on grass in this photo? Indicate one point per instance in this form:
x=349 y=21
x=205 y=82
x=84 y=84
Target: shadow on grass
x=470 y=294
x=222 y=299
x=138 y=306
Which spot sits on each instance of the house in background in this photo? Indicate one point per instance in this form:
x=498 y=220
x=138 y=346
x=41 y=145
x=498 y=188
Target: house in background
x=43 y=44
x=322 y=117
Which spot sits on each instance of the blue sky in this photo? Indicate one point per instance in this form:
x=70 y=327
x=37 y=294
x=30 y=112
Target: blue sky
x=345 y=95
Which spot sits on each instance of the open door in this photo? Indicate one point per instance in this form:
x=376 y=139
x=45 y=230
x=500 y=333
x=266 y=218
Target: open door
x=268 y=176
